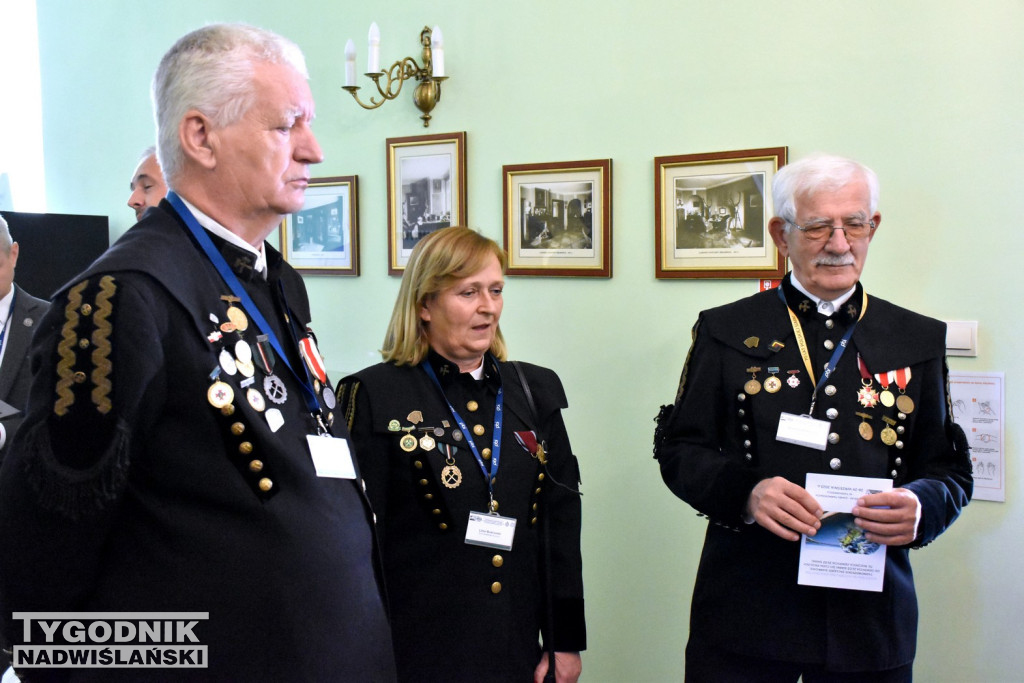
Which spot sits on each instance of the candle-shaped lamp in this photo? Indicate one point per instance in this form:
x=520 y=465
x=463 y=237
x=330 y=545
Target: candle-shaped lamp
x=437 y=52
x=373 y=64
x=350 y=63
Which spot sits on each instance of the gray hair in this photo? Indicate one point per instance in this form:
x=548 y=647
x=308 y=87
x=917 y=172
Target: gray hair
x=211 y=70
x=815 y=173
x=6 y=241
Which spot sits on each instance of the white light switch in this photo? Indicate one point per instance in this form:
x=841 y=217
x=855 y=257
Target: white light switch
x=961 y=337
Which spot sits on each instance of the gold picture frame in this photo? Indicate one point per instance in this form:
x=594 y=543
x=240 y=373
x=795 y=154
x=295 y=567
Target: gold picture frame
x=426 y=190
x=322 y=238
x=558 y=218
x=712 y=212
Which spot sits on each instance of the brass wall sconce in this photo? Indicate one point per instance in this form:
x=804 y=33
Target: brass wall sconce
x=430 y=74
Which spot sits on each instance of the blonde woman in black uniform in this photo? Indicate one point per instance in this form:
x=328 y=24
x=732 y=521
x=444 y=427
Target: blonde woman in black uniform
x=467 y=464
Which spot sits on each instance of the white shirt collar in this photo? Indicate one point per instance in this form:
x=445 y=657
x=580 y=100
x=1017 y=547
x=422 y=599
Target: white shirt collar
x=6 y=311
x=825 y=307
x=5 y=304
x=220 y=231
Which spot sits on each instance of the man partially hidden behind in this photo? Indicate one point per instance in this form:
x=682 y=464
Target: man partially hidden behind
x=818 y=346
x=178 y=454
x=147 y=184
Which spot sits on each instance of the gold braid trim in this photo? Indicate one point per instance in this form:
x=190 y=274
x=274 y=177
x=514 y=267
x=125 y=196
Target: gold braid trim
x=686 y=363
x=101 y=346
x=67 y=357
x=350 y=407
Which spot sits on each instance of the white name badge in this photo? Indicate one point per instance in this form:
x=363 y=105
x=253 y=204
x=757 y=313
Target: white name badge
x=490 y=531
x=803 y=430
x=331 y=457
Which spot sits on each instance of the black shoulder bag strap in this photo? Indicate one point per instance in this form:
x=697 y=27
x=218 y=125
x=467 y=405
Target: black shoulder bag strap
x=549 y=607
x=526 y=390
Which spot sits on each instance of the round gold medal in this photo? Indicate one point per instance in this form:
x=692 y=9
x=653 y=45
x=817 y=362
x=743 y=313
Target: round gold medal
x=408 y=443
x=772 y=384
x=887 y=399
x=888 y=436
x=237 y=316
x=246 y=368
x=220 y=394
x=905 y=404
x=866 y=432
x=752 y=387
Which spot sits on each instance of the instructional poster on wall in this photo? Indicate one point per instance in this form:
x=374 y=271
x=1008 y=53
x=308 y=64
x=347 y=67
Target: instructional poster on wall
x=839 y=555
x=978 y=408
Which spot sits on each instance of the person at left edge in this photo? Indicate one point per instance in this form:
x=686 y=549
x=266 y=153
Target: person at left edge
x=177 y=453
x=19 y=312
x=446 y=433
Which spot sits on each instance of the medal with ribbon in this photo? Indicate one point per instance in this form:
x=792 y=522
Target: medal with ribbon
x=451 y=475
x=867 y=396
x=904 y=403
x=884 y=379
x=499 y=401
x=528 y=440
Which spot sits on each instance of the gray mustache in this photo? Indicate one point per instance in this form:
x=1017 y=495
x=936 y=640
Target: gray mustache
x=834 y=260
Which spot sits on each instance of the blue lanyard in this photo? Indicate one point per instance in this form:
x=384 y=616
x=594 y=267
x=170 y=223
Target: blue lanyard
x=496 y=436
x=805 y=354
x=229 y=277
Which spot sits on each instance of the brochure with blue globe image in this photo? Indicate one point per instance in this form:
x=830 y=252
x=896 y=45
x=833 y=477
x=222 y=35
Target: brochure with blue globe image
x=839 y=555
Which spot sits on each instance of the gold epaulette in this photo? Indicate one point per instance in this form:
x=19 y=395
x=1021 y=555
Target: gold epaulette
x=83 y=366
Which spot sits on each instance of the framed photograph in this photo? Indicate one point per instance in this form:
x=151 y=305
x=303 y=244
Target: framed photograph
x=426 y=190
x=558 y=218
x=711 y=215
x=322 y=238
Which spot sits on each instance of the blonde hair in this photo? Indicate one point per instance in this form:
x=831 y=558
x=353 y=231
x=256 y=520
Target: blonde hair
x=441 y=259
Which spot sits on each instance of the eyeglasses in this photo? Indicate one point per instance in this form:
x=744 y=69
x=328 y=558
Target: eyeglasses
x=822 y=232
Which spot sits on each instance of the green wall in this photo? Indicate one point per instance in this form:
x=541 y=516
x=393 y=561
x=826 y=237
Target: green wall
x=927 y=93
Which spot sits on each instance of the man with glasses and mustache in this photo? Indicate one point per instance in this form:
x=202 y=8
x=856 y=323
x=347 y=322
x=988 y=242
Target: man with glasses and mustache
x=814 y=377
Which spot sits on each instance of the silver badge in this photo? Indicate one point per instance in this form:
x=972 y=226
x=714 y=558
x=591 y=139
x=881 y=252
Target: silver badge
x=275 y=390
x=242 y=351
x=227 y=362
x=330 y=400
